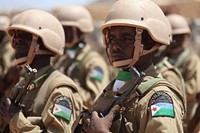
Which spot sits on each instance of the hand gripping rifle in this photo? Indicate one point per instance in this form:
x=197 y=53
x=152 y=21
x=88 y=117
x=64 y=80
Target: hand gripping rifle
x=119 y=99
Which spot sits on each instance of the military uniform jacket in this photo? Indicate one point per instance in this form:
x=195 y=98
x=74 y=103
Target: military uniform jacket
x=51 y=105
x=189 y=65
x=146 y=114
x=173 y=75
x=90 y=72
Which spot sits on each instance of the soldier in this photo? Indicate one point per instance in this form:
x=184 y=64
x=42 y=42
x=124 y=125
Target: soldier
x=46 y=100
x=133 y=30
x=80 y=61
x=6 y=58
x=6 y=51
x=185 y=60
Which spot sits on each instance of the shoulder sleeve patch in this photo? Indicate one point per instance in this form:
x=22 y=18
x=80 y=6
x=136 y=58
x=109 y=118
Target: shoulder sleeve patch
x=62 y=108
x=161 y=105
x=96 y=73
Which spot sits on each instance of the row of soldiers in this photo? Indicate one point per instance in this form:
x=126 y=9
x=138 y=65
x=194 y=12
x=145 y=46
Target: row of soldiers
x=75 y=87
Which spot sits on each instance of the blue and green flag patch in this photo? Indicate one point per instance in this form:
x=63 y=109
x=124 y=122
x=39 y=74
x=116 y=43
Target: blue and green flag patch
x=63 y=108
x=161 y=105
x=96 y=74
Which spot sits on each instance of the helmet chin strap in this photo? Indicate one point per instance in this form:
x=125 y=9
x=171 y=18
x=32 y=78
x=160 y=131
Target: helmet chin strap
x=138 y=49
x=34 y=49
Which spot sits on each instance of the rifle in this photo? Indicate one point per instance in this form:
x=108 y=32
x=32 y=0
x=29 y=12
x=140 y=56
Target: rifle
x=120 y=99
x=19 y=95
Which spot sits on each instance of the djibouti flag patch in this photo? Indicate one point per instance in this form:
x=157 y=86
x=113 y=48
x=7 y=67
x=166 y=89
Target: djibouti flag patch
x=62 y=108
x=161 y=105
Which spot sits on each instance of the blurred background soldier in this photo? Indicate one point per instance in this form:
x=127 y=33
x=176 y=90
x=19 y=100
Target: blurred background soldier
x=45 y=100
x=185 y=60
x=6 y=51
x=7 y=67
x=80 y=61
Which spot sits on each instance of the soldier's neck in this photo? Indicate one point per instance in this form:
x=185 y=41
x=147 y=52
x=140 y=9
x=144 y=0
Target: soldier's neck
x=40 y=61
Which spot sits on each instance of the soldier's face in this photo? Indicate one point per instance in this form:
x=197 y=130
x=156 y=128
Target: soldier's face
x=121 y=43
x=178 y=41
x=21 y=43
x=68 y=34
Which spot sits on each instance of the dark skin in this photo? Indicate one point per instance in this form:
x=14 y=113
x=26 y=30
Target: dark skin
x=120 y=47
x=177 y=45
x=121 y=40
x=69 y=35
x=2 y=35
x=21 y=42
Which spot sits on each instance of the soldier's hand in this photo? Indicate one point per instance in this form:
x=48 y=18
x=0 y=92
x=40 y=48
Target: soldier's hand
x=101 y=125
x=8 y=110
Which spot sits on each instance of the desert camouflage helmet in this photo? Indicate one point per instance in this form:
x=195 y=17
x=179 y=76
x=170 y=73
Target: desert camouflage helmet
x=4 y=23
x=41 y=24
x=75 y=15
x=179 y=24
x=144 y=15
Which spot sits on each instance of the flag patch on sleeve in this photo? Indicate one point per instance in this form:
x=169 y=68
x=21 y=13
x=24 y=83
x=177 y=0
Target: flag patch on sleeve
x=161 y=105
x=63 y=108
x=96 y=73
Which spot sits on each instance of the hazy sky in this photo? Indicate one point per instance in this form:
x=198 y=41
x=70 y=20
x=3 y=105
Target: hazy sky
x=40 y=4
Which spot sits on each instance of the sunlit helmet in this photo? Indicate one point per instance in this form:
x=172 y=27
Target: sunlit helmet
x=179 y=24
x=4 y=23
x=144 y=15
x=74 y=16
x=42 y=25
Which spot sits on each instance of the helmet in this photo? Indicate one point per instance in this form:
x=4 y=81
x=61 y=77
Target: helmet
x=4 y=23
x=41 y=24
x=179 y=24
x=144 y=15
x=75 y=15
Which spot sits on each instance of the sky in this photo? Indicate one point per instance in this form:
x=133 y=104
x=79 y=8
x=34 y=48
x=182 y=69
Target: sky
x=39 y=4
